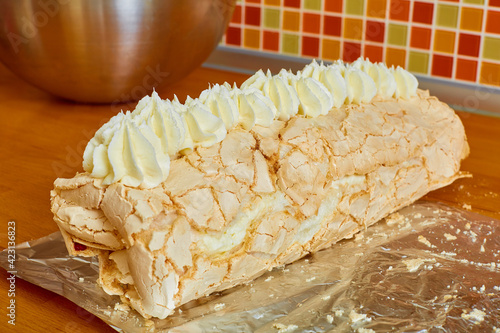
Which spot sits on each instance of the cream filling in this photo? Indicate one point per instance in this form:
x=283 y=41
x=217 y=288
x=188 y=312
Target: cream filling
x=234 y=234
x=310 y=226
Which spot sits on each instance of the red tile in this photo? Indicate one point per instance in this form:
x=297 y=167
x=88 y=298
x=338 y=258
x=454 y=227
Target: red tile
x=399 y=10
x=375 y=31
x=374 y=53
x=311 y=23
x=332 y=25
x=422 y=12
x=493 y=22
x=494 y=3
x=292 y=3
x=351 y=51
x=310 y=46
x=271 y=41
x=252 y=1
x=252 y=15
x=466 y=70
x=469 y=44
x=442 y=65
x=236 y=15
x=420 y=38
x=233 y=36
x=333 y=6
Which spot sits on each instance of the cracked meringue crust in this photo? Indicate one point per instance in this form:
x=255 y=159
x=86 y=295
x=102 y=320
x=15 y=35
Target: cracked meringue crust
x=259 y=199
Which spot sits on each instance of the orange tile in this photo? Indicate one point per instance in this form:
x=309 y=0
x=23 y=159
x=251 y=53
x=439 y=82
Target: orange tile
x=236 y=15
x=251 y=38
x=490 y=74
x=374 y=53
x=471 y=19
x=353 y=28
x=466 y=70
x=395 y=57
x=399 y=10
x=291 y=21
x=444 y=41
x=330 y=49
x=272 y=2
x=376 y=8
x=311 y=23
x=271 y=41
x=333 y=6
x=420 y=38
x=493 y=22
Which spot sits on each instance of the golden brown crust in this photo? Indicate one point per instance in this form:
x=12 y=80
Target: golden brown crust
x=263 y=198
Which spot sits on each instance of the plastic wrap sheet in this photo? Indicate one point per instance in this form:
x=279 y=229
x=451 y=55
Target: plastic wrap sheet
x=428 y=267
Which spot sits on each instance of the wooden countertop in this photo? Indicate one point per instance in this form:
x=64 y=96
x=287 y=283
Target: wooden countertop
x=42 y=138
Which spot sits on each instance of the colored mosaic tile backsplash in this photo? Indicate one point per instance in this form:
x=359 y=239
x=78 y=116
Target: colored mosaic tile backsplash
x=450 y=39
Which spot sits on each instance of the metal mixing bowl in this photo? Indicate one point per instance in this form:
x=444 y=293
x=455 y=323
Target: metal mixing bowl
x=107 y=51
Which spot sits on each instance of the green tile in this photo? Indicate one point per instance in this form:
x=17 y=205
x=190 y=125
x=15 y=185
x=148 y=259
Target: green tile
x=477 y=2
x=354 y=7
x=418 y=62
x=447 y=16
x=313 y=4
x=290 y=44
x=491 y=48
x=271 y=18
x=397 y=34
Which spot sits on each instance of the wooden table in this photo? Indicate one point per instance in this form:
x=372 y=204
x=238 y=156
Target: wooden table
x=42 y=138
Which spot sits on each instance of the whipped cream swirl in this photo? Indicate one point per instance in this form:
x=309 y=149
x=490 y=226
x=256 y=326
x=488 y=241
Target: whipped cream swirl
x=135 y=148
x=127 y=152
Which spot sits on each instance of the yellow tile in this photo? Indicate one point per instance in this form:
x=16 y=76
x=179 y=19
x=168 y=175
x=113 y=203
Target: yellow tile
x=354 y=7
x=491 y=48
x=397 y=34
x=353 y=28
x=271 y=18
x=313 y=4
x=418 y=62
x=291 y=21
x=447 y=15
x=251 y=38
x=444 y=41
x=471 y=19
x=290 y=44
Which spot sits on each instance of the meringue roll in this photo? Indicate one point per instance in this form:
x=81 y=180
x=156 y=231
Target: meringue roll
x=180 y=200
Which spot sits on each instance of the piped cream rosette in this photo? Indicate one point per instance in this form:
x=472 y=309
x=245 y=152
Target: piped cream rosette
x=135 y=148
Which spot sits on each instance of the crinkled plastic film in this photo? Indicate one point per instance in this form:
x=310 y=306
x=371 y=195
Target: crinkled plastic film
x=426 y=267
